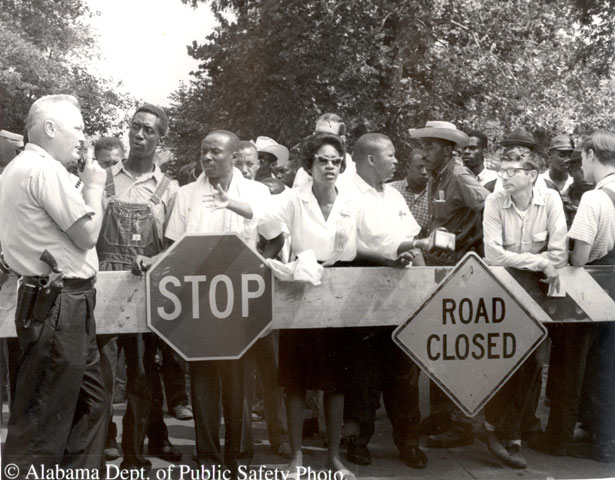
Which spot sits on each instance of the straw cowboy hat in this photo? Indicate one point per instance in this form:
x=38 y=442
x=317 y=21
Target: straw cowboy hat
x=269 y=145
x=444 y=130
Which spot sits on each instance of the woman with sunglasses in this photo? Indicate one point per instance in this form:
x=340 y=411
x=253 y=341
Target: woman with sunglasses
x=323 y=218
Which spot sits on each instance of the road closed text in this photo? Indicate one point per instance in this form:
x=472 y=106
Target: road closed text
x=451 y=344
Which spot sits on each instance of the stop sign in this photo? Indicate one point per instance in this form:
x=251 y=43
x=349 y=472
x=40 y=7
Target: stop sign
x=209 y=297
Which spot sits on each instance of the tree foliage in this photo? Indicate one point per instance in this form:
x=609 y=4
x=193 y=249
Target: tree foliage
x=46 y=47
x=270 y=68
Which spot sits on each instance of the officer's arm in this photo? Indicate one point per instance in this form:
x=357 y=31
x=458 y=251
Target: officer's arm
x=84 y=232
x=580 y=253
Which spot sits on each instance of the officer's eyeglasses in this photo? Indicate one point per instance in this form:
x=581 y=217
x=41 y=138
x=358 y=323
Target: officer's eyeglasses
x=324 y=160
x=511 y=172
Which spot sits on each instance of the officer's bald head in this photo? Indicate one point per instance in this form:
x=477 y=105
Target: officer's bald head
x=49 y=107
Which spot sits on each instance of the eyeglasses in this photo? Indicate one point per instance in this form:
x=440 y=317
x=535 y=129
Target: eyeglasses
x=511 y=172
x=324 y=160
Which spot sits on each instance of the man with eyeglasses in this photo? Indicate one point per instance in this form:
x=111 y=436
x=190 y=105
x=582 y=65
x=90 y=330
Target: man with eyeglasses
x=456 y=200
x=525 y=228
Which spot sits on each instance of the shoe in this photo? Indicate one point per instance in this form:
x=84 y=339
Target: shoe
x=432 y=425
x=112 y=451
x=544 y=444
x=494 y=445
x=143 y=465
x=590 y=451
x=357 y=453
x=165 y=450
x=282 y=450
x=414 y=457
x=182 y=412
x=515 y=459
x=450 y=439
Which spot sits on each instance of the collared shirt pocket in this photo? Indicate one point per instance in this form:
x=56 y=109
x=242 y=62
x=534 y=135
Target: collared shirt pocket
x=539 y=241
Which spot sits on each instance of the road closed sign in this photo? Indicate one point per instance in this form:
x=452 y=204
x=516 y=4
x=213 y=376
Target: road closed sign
x=470 y=334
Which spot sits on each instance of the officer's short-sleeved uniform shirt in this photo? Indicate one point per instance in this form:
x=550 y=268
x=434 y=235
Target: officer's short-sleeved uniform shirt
x=38 y=203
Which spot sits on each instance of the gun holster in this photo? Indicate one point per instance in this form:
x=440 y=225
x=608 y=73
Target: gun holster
x=45 y=299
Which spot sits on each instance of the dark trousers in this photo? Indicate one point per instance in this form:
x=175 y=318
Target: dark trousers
x=507 y=409
x=569 y=350
x=172 y=373
x=58 y=416
x=214 y=383
x=377 y=365
x=144 y=405
x=582 y=352
x=263 y=357
x=446 y=413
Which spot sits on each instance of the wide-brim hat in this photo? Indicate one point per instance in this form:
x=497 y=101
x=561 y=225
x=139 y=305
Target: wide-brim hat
x=443 y=130
x=562 y=142
x=269 y=145
x=519 y=137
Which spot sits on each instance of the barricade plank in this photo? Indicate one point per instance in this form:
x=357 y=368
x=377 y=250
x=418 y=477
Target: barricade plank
x=346 y=297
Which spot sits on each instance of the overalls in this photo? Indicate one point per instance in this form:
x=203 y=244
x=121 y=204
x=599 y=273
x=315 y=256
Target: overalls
x=128 y=230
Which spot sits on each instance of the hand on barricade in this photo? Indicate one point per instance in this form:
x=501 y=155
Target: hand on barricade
x=552 y=276
x=142 y=264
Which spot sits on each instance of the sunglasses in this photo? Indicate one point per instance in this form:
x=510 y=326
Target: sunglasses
x=324 y=160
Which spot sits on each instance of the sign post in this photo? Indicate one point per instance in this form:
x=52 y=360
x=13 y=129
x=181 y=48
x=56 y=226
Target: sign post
x=210 y=297
x=470 y=334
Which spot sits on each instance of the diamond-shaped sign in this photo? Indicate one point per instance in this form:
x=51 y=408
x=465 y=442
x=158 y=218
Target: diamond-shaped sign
x=470 y=335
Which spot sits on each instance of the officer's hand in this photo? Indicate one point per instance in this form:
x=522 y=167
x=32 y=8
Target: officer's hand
x=93 y=174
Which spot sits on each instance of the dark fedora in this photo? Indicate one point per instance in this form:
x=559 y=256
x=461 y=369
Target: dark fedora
x=519 y=137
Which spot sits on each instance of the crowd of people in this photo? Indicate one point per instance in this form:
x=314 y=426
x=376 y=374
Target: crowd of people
x=322 y=204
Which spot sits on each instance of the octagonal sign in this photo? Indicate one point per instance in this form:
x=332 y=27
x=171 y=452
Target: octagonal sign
x=209 y=297
x=470 y=334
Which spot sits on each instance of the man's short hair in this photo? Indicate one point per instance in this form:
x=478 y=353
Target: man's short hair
x=41 y=107
x=163 y=120
x=313 y=143
x=602 y=143
x=366 y=145
x=333 y=117
x=108 y=143
x=245 y=144
x=484 y=141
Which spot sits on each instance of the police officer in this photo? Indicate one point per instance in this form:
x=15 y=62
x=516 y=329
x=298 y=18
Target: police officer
x=58 y=417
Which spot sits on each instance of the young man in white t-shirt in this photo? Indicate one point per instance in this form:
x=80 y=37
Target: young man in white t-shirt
x=584 y=351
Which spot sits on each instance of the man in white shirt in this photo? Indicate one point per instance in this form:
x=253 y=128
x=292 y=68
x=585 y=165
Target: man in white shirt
x=584 y=351
x=223 y=379
x=376 y=365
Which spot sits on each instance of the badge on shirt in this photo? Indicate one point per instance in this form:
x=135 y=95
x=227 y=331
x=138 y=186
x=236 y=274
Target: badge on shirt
x=136 y=237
